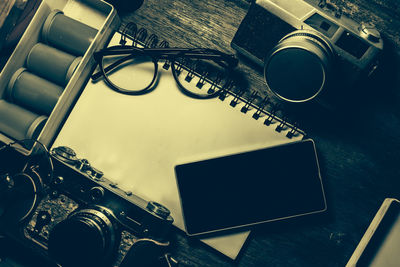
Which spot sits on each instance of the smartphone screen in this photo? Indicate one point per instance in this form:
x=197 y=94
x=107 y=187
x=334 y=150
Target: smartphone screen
x=250 y=188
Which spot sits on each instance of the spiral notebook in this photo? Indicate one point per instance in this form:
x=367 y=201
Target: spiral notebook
x=137 y=140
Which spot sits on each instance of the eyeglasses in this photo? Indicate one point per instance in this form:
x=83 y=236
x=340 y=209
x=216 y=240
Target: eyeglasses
x=133 y=70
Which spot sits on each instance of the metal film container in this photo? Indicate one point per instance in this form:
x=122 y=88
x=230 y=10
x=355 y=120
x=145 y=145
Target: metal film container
x=33 y=92
x=67 y=34
x=51 y=63
x=298 y=67
x=19 y=123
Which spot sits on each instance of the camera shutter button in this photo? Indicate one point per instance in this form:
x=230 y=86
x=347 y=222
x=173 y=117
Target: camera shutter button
x=158 y=209
x=370 y=33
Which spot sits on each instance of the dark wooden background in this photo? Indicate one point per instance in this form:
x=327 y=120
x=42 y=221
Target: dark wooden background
x=358 y=145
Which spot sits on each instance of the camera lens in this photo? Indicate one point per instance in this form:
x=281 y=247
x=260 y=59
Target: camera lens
x=298 y=67
x=86 y=238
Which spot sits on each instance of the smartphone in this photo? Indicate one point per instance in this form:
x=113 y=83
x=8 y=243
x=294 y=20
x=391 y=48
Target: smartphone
x=251 y=187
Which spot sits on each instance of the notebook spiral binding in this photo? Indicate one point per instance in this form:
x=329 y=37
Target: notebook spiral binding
x=266 y=109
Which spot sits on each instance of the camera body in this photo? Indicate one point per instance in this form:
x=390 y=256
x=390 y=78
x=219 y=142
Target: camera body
x=66 y=211
x=307 y=50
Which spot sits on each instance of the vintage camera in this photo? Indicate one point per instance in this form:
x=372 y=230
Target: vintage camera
x=65 y=210
x=308 y=50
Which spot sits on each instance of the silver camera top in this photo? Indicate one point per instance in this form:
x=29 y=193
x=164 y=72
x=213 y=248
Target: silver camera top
x=322 y=33
x=331 y=23
x=306 y=47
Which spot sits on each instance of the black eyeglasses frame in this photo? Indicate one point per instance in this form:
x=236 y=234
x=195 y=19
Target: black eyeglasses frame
x=226 y=61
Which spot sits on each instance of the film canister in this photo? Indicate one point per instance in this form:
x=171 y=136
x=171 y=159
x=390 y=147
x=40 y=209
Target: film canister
x=19 y=123
x=33 y=92
x=67 y=34
x=51 y=63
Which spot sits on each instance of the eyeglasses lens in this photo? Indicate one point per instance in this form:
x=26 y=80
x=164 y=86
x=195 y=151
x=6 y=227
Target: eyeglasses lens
x=131 y=73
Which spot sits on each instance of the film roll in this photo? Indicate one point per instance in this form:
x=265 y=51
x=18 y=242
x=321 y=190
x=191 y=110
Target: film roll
x=19 y=123
x=67 y=34
x=33 y=92
x=51 y=63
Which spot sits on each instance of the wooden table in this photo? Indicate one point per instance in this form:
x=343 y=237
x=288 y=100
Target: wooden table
x=358 y=147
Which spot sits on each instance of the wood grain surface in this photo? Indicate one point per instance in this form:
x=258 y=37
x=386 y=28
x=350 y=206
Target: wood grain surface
x=5 y=8
x=358 y=144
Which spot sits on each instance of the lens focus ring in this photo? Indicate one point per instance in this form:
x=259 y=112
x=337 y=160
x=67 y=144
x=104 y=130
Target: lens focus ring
x=86 y=238
x=298 y=67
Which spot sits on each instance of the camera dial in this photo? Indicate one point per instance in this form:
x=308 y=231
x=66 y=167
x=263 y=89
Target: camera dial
x=88 y=237
x=158 y=209
x=65 y=154
x=370 y=33
x=298 y=67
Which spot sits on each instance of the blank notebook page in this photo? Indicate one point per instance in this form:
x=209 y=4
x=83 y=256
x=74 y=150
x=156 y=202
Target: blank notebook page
x=137 y=140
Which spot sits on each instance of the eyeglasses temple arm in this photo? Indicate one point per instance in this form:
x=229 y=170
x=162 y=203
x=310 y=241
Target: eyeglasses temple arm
x=197 y=53
x=110 y=67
